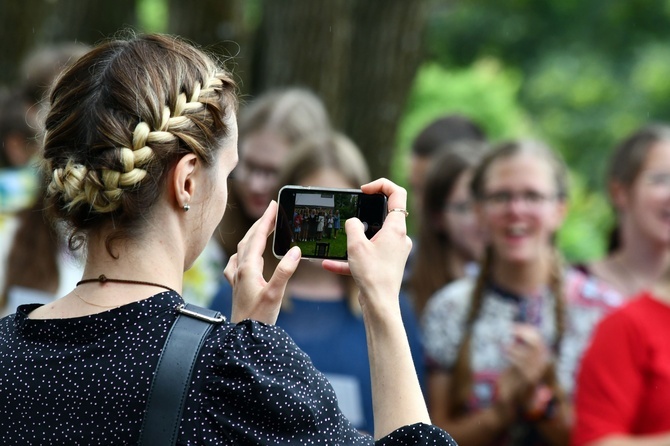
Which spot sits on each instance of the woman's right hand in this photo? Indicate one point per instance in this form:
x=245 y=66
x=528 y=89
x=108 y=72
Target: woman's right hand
x=253 y=297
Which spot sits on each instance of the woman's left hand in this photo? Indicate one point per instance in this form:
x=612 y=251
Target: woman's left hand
x=253 y=297
x=377 y=265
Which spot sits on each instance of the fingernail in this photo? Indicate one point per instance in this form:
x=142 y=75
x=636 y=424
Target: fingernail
x=293 y=253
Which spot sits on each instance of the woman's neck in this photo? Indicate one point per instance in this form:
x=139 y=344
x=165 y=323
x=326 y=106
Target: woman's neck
x=455 y=264
x=635 y=267
x=661 y=290
x=640 y=260
x=149 y=260
x=525 y=278
x=646 y=259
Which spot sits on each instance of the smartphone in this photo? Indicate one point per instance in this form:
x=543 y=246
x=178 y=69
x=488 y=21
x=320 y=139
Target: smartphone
x=313 y=219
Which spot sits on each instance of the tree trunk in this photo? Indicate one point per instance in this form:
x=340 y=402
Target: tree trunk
x=21 y=24
x=28 y=24
x=359 y=56
x=221 y=27
x=305 y=43
x=89 y=21
x=385 y=56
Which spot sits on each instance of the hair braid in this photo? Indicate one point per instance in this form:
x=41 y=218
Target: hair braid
x=103 y=191
x=460 y=387
x=557 y=287
x=114 y=124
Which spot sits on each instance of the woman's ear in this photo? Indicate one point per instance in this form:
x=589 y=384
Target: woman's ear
x=438 y=222
x=561 y=212
x=618 y=195
x=184 y=181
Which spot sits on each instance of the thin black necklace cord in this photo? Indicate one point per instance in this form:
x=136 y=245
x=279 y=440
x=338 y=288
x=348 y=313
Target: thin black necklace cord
x=103 y=279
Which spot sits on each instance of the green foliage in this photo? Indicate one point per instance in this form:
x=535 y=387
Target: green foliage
x=592 y=71
x=252 y=13
x=585 y=103
x=484 y=92
x=347 y=205
x=571 y=98
x=337 y=248
x=521 y=31
x=152 y=15
x=583 y=235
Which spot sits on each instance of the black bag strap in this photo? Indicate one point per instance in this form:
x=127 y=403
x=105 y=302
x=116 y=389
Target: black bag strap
x=172 y=379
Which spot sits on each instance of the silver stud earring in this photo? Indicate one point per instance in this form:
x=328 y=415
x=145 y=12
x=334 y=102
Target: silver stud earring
x=186 y=207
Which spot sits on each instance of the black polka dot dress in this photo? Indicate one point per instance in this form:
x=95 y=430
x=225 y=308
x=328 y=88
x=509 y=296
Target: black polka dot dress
x=85 y=381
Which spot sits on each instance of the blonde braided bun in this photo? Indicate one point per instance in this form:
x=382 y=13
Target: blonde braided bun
x=68 y=181
x=78 y=185
x=121 y=117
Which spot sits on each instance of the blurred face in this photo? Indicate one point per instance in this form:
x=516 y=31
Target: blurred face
x=460 y=222
x=646 y=204
x=326 y=178
x=520 y=210
x=261 y=157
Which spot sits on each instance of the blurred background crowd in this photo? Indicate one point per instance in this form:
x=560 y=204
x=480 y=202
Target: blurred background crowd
x=580 y=75
x=532 y=138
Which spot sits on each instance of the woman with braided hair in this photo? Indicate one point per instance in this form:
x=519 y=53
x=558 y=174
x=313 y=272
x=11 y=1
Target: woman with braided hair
x=140 y=139
x=503 y=347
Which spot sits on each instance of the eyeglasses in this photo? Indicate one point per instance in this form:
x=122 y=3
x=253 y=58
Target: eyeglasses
x=246 y=169
x=657 y=179
x=459 y=207
x=530 y=199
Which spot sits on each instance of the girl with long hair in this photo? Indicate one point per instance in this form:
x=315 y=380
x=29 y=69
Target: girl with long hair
x=503 y=346
x=450 y=241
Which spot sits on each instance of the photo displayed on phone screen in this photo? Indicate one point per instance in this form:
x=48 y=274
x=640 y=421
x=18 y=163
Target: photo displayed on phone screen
x=313 y=219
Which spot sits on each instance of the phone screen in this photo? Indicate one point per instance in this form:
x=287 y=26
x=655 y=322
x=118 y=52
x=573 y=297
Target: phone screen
x=313 y=219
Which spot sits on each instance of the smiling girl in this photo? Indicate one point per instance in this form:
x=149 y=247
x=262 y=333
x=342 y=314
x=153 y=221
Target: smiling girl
x=502 y=347
x=639 y=184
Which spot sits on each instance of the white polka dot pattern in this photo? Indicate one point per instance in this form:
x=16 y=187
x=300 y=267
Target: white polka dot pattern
x=85 y=381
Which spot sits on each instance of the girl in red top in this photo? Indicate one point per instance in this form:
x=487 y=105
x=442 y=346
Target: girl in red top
x=623 y=389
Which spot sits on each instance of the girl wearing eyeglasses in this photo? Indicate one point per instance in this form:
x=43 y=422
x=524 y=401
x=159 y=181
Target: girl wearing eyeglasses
x=502 y=347
x=638 y=183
